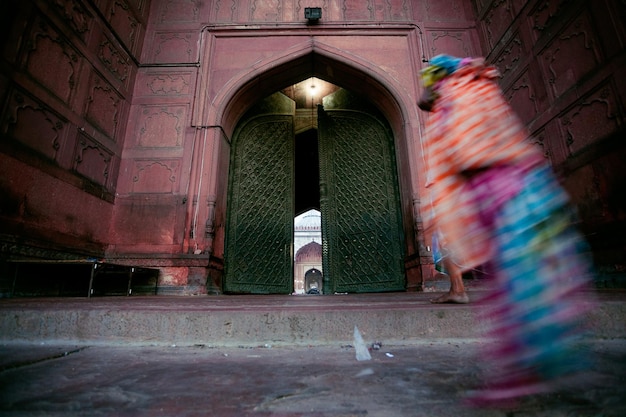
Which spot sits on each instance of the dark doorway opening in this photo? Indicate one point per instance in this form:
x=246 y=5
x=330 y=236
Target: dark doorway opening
x=307 y=172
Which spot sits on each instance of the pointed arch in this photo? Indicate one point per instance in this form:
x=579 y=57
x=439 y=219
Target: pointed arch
x=309 y=59
x=223 y=105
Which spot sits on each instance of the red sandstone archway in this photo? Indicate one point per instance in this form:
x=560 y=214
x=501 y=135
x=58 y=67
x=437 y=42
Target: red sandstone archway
x=232 y=100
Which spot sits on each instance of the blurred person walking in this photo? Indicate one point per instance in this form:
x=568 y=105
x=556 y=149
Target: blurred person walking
x=497 y=202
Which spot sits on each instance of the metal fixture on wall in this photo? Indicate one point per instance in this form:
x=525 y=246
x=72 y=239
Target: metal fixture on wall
x=313 y=14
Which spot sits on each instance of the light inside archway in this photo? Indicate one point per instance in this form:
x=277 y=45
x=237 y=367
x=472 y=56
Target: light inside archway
x=309 y=92
x=312 y=88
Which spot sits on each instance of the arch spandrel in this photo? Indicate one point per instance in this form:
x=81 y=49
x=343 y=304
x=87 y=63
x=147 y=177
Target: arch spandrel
x=225 y=104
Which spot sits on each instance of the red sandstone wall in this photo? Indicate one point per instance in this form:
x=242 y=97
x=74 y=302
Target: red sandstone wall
x=173 y=177
x=112 y=128
x=116 y=114
x=563 y=64
x=68 y=70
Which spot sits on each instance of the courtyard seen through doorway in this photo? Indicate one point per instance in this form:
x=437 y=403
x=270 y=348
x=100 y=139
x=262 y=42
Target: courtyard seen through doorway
x=307 y=241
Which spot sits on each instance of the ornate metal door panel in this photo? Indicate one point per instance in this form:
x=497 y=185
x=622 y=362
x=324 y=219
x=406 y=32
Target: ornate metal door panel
x=361 y=222
x=260 y=214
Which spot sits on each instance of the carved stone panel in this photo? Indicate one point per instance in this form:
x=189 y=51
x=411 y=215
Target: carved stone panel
x=542 y=141
x=164 y=84
x=161 y=126
x=543 y=16
x=497 y=20
x=155 y=176
x=450 y=42
x=180 y=11
x=521 y=97
x=591 y=118
x=34 y=125
x=576 y=43
x=104 y=106
x=553 y=144
x=510 y=56
x=266 y=11
x=442 y=11
x=354 y=11
x=46 y=46
x=75 y=15
x=92 y=160
x=175 y=47
x=399 y=10
x=123 y=21
x=115 y=60
x=224 y=11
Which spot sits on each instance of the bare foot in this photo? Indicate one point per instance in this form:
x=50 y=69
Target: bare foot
x=451 y=298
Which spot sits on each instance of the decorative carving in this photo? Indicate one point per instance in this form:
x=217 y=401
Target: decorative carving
x=270 y=11
x=544 y=15
x=498 y=20
x=540 y=140
x=575 y=44
x=510 y=55
x=526 y=109
x=591 y=119
x=397 y=12
x=161 y=128
x=168 y=84
x=45 y=47
x=174 y=47
x=261 y=208
x=361 y=233
x=142 y=166
x=75 y=15
x=225 y=14
x=437 y=10
x=92 y=161
x=363 y=10
x=103 y=107
x=34 y=125
x=152 y=176
x=180 y=11
x=115 y=61
x=123 y=21
x=454 y=43
x=209 y=231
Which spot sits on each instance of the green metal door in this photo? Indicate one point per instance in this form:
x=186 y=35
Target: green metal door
x=260 y=213
x=362 y=239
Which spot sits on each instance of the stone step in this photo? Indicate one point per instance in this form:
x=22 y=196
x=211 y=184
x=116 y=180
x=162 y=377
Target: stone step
x=259 y=320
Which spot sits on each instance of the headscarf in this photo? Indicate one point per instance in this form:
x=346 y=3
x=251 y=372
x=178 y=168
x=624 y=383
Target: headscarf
x=440 y=67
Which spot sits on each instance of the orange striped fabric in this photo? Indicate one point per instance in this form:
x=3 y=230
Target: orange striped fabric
x=471 y=128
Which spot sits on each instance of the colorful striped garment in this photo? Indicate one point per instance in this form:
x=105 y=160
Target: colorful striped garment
x=470 y=129
x=496 y=201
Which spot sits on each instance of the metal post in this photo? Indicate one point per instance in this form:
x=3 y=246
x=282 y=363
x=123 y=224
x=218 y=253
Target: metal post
x=130 y=280
x=91 y=280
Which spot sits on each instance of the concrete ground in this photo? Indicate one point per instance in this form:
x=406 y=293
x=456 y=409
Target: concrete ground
x=425 y=379
x=249 y=356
